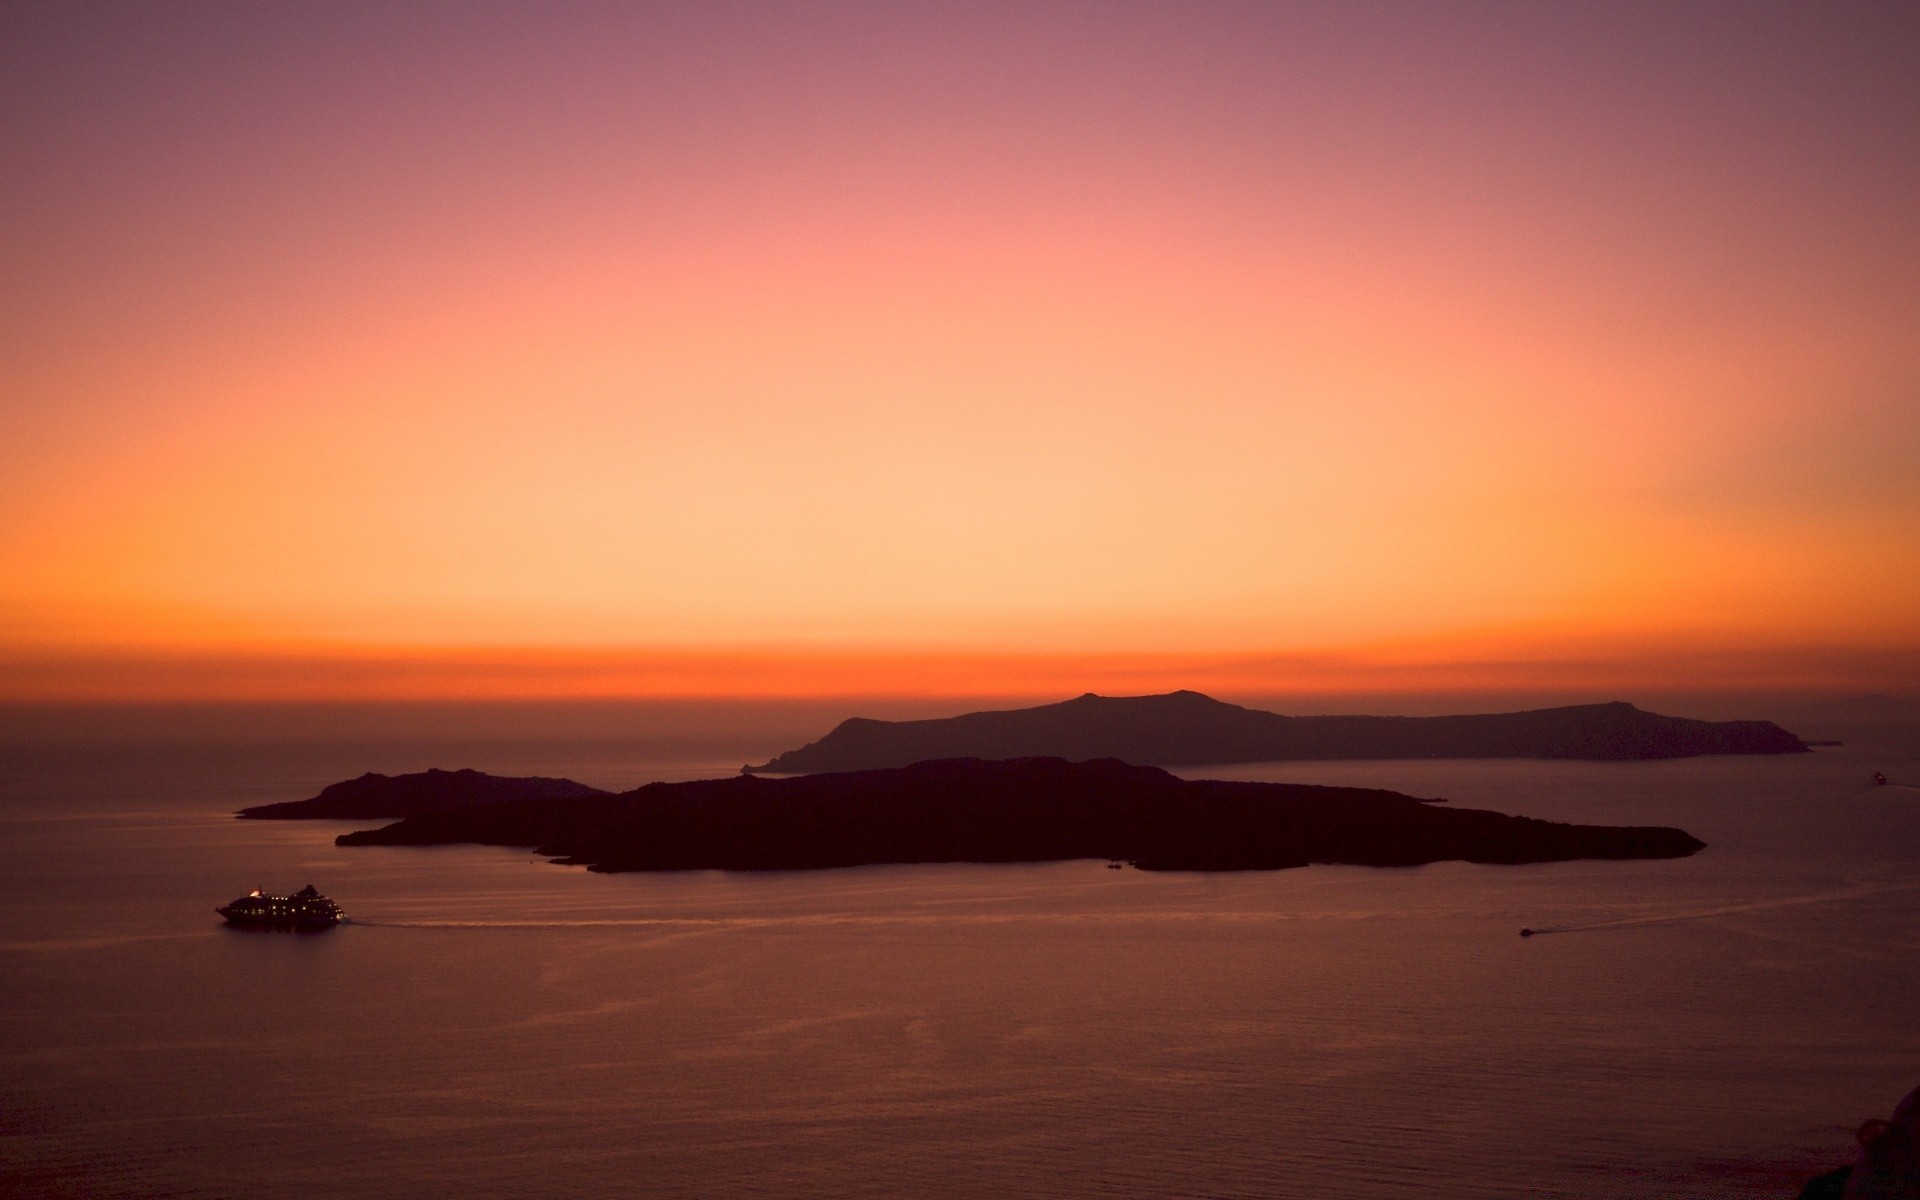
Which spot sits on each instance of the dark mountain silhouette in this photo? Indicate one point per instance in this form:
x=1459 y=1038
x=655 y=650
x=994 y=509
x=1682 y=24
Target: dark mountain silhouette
x=1189 y=729
x=372 y=796
x=1025 y=810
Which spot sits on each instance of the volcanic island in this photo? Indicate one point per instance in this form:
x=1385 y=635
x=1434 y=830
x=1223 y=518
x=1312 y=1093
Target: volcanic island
x=971 y=810
x=1190 y=729
x=1081 y=779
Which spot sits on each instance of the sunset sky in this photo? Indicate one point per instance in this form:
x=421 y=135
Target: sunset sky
x=981 y=348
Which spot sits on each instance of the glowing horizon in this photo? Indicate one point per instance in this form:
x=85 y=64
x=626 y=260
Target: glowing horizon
x=626 y=351
x=1482 y=675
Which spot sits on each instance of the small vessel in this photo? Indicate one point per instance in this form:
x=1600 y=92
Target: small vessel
x=1524 y=932
x=305 y=909
x=1879 y=778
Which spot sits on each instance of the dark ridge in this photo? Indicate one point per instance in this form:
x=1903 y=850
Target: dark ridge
x=1189 y=729
x=1024 y=810
x=373 y=796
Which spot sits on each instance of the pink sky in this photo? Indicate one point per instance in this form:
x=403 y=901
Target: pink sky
x=871 y=336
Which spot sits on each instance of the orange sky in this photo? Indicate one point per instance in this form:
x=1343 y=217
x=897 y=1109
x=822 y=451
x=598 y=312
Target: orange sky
x=754 y=349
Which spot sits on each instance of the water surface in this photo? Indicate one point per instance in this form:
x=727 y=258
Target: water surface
x=492 y=1025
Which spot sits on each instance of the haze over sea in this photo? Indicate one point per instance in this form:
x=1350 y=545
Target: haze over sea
x=490 y=1025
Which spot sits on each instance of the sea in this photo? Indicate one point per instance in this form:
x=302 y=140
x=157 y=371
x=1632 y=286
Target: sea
x=489 y=1024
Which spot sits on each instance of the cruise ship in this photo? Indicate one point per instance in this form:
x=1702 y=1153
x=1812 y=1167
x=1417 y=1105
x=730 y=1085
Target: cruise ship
x=305 y=909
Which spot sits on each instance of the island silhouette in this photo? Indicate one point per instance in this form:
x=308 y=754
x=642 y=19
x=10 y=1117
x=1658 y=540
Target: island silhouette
x=1189 y=729
x=981 y=811
x=373 y=796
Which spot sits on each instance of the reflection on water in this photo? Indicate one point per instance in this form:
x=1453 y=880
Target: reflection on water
x=492 y=1025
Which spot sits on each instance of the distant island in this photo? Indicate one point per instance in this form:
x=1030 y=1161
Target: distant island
x=979 y=811
x=1189 y=729
x=371 y=796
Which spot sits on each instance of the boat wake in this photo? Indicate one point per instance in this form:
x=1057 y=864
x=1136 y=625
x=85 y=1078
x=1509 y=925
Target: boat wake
x=1726 y=910
x=587 y=923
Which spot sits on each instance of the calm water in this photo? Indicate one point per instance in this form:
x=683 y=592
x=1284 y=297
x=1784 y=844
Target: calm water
x=494 y=1026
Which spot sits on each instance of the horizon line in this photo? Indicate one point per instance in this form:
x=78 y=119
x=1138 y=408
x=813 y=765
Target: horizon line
x=373 y=673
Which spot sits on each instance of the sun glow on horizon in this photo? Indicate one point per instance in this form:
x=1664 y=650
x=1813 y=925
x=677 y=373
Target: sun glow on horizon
x=799 y=346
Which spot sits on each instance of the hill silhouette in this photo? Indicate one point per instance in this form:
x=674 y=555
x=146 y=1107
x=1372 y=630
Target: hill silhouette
x=1189 y=729
x=372 y=796
x=1024 y=810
